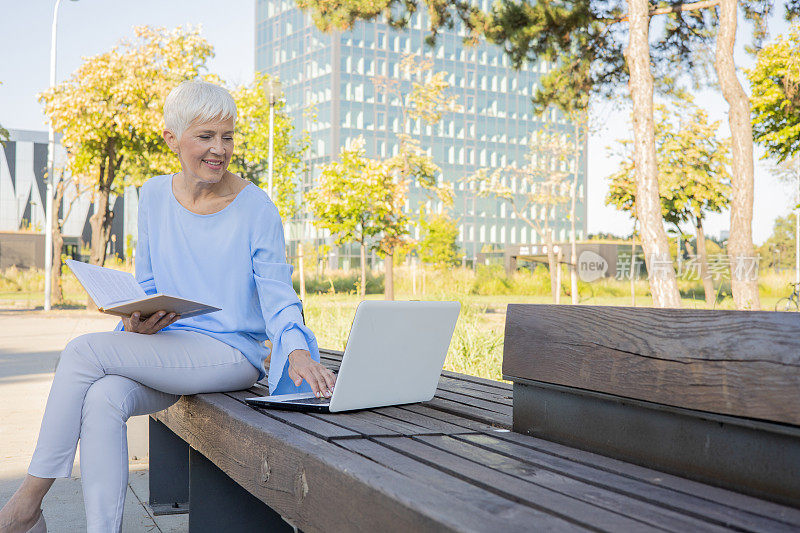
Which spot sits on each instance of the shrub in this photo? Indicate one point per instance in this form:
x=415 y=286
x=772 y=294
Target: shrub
x=340 y=283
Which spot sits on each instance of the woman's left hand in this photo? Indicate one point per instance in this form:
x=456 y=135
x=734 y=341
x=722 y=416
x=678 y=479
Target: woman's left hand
x=303 y=367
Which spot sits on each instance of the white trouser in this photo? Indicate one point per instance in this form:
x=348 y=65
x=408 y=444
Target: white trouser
x=102 y=380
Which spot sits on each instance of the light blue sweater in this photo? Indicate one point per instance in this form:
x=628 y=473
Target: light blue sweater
x=233 y=259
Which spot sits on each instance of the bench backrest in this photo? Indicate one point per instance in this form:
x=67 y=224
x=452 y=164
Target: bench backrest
x=740 y=363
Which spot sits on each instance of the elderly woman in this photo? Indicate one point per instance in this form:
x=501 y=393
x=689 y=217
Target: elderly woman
x=204 y=234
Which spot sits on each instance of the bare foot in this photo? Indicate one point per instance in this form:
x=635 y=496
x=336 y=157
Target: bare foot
x=15 y=518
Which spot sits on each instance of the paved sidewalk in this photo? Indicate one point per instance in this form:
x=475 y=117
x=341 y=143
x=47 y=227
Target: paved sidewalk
x=30 y=342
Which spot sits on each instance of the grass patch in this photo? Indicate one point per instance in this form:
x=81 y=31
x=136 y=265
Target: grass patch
x=477 y=344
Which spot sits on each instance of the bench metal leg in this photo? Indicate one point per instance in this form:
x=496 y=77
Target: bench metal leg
x=218 y=503
x=169 y=471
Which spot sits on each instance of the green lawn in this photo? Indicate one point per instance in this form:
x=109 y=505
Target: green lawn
x=477 y=344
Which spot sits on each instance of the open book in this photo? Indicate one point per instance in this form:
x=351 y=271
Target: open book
x=118 y=293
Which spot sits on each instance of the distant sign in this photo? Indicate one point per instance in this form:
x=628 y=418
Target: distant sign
x=591 y=266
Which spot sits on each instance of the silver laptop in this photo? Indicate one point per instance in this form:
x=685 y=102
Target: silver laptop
x=394 y=355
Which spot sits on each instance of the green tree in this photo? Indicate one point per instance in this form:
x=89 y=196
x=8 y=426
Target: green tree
x=778 y=250
x=251 y=153
x=426 y=103
x=694 y=180
x=347 y=200
x=595 y=46
x=535 y=191
x=109 y=113
x=775 y=84
x=68 y=190
x=438 y=244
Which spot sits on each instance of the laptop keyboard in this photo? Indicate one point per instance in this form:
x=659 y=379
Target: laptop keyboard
x=310 y=401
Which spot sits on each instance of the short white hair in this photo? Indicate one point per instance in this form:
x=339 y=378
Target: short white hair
x=197 y=101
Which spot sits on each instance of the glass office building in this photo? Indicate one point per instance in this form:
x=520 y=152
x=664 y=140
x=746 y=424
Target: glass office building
x=493 y=127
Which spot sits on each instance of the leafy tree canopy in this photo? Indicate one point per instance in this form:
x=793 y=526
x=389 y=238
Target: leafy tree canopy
x=251 y=153
x=348 y=196
x=775 y=82
x=584 y=40
x=438 y=244
x=110 y=110
x=778 y=249
x=692 y=165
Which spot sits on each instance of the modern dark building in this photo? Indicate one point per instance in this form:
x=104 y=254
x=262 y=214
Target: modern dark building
x=334 y=73
x=23 y=167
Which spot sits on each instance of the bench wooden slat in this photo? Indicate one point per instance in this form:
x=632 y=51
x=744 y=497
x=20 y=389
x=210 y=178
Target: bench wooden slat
x=477 y=390
x=403 y=427
x=356 y=424
x=317 y=485
x=474 y=401
x=446 y=416
x=741 y=363
x=603 y=497
x=304 y=421
x=468 y=411
x=424 y=420
x=537 y=497
x=718 y=512
x=509 y=515
x=499 y=385
x=713 y=495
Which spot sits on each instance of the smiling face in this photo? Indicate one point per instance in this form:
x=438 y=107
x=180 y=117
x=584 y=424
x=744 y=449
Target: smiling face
x=204 y=149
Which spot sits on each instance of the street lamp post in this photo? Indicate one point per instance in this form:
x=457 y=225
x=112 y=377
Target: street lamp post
x=273 y=90
x=51 y=149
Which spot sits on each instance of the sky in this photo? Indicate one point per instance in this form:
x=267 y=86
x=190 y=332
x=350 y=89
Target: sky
x=90 y=27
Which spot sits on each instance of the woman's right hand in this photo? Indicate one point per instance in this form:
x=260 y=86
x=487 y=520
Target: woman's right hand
x=153 y=324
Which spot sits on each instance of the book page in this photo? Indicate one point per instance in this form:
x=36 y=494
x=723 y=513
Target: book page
x=106 y=286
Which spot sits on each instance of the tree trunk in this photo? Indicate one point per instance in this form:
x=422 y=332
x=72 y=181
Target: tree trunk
x=363 y=291
x=687 y=246
x=100 y=222
x=102 y=218
x=633 y=266
x=573 y=266
x=702 y=257
x=744 y=263
x=551 y=264
x=56 y=292
x=388 y=280
x=559 y=259
x=663 y=283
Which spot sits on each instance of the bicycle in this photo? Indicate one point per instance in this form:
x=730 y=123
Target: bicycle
x=792 y=302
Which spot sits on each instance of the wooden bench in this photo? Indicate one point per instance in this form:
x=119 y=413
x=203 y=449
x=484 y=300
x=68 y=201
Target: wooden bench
x=708 y=395
x=451 y=464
